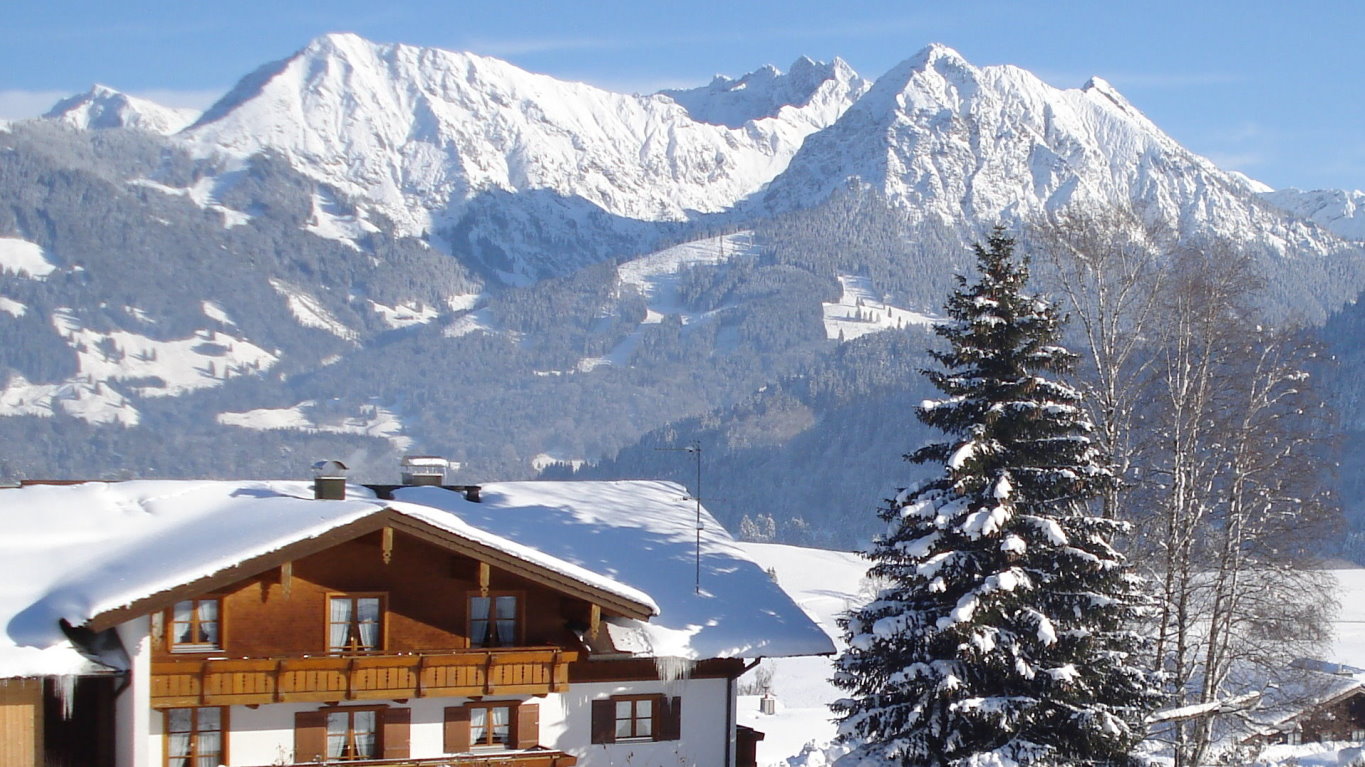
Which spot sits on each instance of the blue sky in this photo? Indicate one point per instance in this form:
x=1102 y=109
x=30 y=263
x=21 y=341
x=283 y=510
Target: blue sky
x=1273 y=89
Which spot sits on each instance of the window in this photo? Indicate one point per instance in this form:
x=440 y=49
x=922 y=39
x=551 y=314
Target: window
x=493 y=620
x=352 y=734
x=194 y=737
x=636 y=717
x=354 y=624
x=195 y=626
x=502 y=725
x=490 y=726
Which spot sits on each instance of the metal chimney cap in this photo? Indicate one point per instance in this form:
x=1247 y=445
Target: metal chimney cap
x=329 y=469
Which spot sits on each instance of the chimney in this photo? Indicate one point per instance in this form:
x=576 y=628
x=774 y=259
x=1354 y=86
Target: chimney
x=329 y=481
x=424 y=470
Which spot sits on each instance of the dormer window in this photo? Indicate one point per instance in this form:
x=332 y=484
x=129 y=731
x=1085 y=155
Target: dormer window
x=493 y=620
x=355 y=623
x=195 y=626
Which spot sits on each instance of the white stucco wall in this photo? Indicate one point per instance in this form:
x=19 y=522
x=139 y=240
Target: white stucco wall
x=265 y=735
x=703 y=726
x=133 y=716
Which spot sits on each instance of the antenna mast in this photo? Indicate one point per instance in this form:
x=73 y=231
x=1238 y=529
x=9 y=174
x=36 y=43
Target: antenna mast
x=695 y=450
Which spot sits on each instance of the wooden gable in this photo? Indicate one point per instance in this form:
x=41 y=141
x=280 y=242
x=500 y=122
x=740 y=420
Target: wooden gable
x=384 y=527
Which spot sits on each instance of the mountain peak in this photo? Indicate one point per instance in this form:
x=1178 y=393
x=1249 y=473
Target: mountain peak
x=103 y=107
x=766 y=91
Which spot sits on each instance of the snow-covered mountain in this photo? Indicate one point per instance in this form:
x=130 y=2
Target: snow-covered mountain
x=1341 y=212
x=950 y=141
x=103 y=107
x=811 y=91
x=421 y=131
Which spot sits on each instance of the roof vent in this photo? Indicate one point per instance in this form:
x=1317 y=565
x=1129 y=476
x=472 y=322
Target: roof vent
x=329 y=481
x=424 y=470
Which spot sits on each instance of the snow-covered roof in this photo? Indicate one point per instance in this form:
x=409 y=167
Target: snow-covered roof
x=75 y=552
x=644 y=534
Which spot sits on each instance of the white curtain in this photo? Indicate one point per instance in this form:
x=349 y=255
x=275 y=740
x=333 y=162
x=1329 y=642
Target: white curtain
x=338 y=725
x=182 y=625
x=365 y=736
x=478 y=621
x=179 y=724
x=478 y=726
x=340 y=620
x=369 y=623
x=502 y=731
x=208 y=622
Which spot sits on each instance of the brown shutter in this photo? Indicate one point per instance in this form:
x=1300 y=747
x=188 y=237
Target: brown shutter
x=395 y=737
x=457 y=730
x=310 y=736
x=669 y=722
x=603 y=721
x=528 y=725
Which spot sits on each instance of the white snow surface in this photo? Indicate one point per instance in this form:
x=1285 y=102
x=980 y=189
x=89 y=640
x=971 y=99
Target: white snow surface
x=860 y=311
x=76 y=551
x=416 y=130
x=1339 y=211
x=405 y=315
x=643 y=534
x=367 y=421
x=311 y=313
x=12 y=307
x=103 y=107
x=203 y=193
x=24 y=258
x=811 y=90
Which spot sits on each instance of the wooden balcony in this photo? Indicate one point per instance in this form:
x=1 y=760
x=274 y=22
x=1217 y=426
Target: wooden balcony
x=456 y=673
x=532 y=758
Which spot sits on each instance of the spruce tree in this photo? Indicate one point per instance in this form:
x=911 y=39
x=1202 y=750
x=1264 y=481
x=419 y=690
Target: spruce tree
x=1002 y=633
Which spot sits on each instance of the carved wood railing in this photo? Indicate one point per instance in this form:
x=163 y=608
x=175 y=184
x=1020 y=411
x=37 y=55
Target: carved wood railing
x=457 y=673
x=534 y=758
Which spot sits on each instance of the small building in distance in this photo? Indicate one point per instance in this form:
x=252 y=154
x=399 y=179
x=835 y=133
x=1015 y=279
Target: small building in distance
x=252 y=623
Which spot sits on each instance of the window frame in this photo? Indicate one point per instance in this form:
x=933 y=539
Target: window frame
x=353 y=625
x=488 y=745
x=350 y=712
x=518 y=629
x=654 y=700
x=174 y=646
x=194 y=733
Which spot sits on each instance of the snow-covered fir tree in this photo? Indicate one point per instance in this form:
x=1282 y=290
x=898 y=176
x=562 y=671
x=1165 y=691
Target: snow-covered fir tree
x=1003 y=633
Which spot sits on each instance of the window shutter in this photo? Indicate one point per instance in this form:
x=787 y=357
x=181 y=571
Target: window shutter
x=603 y=721
x=528 y=725
x=395 y=737
x=310 y=736
x=457 y=730
x=669 y=722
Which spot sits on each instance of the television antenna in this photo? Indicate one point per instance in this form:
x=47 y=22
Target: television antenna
x=695 y=450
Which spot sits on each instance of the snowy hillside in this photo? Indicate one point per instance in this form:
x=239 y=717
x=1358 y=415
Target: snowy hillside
x=103 y=107
x=1339 y=211
x=825 y=583
x=421 y=131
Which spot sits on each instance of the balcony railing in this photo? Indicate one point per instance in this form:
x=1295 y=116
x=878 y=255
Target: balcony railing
x=533 y=758
x=457 y=673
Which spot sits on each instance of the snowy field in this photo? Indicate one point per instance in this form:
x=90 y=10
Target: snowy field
x=860 y=311
x=824 y=583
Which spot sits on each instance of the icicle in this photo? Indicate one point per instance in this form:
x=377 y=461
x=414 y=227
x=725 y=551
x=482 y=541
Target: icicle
x=673 y=668
x=66 y=694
